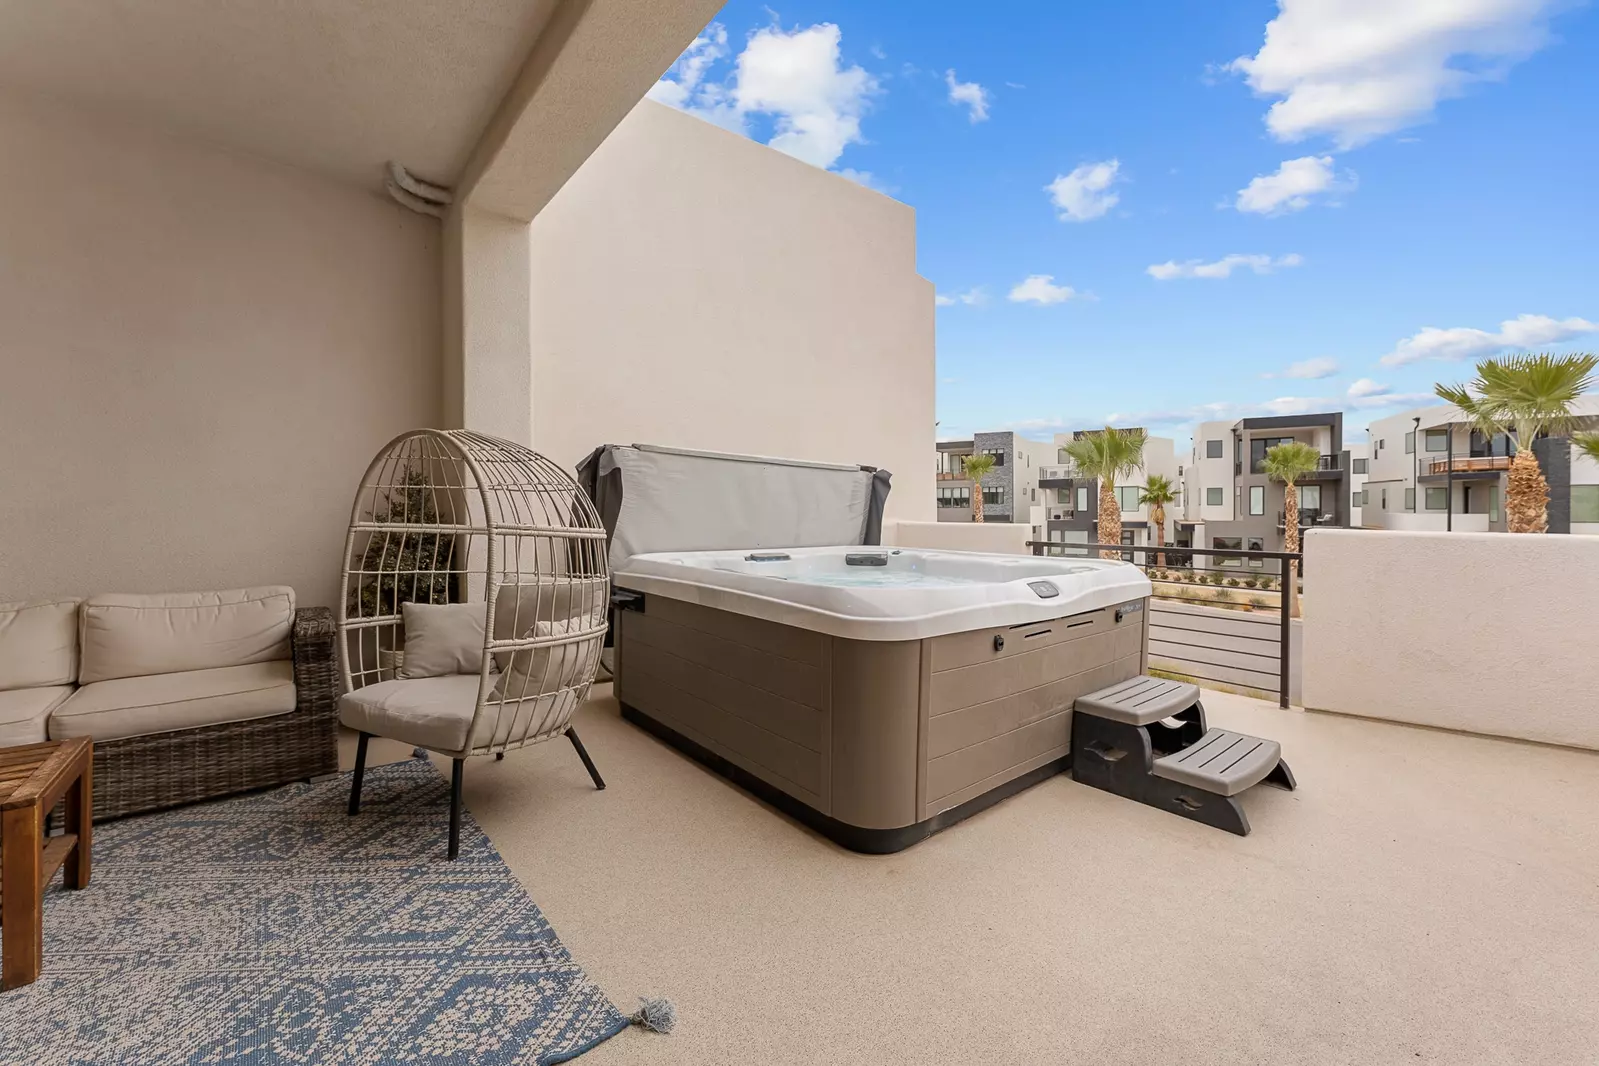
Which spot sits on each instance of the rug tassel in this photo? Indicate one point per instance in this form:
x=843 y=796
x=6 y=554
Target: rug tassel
x=656 y=1015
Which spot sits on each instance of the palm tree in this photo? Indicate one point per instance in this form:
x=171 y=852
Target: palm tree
x=1588 y=443
x=976 y=466
x=1288 y=463
x=1525 y=395
x=1158 y=492
x=1108 y=454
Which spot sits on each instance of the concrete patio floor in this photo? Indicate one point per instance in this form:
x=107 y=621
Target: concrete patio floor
x=1424 y=897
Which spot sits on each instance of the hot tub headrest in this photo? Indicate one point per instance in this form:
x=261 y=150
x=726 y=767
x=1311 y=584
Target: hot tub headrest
x=655 y=499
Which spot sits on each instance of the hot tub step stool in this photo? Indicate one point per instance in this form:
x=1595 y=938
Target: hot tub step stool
x=1146 y=739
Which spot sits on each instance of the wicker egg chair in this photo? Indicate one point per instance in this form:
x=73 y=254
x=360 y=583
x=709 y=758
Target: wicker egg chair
x=475 y=602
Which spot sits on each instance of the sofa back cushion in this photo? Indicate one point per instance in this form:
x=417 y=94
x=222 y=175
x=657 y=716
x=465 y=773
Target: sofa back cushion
x=134 y=636
x=38 y=643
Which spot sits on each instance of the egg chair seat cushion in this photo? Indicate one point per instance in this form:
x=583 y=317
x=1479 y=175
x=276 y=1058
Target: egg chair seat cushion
x=428 y=712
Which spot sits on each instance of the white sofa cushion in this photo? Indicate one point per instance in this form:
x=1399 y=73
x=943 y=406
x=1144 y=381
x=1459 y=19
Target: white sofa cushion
x=169 y=633
x=38 y=643
x=428 y=712
x=162 y=703
x=442 y=638
x=25 y=713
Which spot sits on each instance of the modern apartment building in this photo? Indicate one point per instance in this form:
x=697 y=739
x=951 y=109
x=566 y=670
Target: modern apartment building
x=1229 y=502
x=1431 y=470
x=1359 y=471
x=1010 y=490
x=1071 y=502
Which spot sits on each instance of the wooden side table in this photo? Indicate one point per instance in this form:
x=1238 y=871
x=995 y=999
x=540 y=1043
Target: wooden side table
x=32 y=779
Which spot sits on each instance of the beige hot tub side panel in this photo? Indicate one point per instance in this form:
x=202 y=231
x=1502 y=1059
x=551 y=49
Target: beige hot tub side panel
x=877 y=734
x=751 y=691
x=997 y=713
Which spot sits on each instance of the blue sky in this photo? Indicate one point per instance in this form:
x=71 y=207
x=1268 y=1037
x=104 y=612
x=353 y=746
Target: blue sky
x=1241 y=208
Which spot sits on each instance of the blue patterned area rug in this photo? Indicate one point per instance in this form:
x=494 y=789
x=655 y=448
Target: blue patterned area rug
x=274 y=928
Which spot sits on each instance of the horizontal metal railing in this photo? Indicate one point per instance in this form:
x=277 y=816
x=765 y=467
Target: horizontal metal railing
x=1474 y=464
x=1229 y=572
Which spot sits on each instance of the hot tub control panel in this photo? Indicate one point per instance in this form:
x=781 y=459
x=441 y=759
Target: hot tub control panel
x=1046 y=590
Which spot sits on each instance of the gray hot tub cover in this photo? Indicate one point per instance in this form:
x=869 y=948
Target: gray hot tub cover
x=655 y=499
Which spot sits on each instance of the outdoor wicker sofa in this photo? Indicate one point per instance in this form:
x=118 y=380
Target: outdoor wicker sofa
x=148 y=773
x=240 y=694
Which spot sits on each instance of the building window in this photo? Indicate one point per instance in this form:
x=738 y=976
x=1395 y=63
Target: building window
x=1256 y=544
x=1310 y=497
x=1213 y=449
x=1082 y=497
x=1493 y=503
x=1437 y=499
x=1585 y=503
x=1385 y=499
x=1354 y=500
x=1127 y=497
x=1213 y=498
x=1257 y=499
x=1222 y=543
x=999 y=455
x=955 y=497
x=1410 y=443
x=1437 y=440
x=994 y=497
x=1361 y=465
x=1410 y=499
x=952 y=464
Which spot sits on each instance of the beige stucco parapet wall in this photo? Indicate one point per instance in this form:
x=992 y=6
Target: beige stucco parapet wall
x=1489 y=633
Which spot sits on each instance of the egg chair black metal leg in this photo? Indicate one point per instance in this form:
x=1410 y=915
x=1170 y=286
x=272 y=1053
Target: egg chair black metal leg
x=457 y=772
x=360 y=772
x=588 y=763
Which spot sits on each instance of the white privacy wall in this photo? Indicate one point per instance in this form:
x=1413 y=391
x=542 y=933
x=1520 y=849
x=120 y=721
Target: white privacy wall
x=199 y=354
x=1482 y=632
x=693 y=288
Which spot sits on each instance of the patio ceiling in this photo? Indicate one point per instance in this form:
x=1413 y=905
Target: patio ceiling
x=342 y=86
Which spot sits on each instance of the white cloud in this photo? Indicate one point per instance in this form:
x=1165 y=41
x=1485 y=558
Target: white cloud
x=970 y=95
x=1084 y=194
x=1461 y=343
x=970 y=298
x=1358 y=69
x=1223 y=267
x=1293 y=187
x=1040 y=289
x=868 y=179
x=685 y=87
x=794 y=77
x=1366 y=395
x=1309 y=369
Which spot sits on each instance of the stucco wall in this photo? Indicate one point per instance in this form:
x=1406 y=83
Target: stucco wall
x=201 y=352
x=1481 y=632
x=1003 y=538
x=696 y=289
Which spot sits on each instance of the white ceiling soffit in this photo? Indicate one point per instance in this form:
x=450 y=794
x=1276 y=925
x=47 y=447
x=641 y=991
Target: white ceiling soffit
x=592 y=64
x=334 y=86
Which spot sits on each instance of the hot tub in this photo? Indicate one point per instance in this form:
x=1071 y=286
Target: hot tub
x=876 y=694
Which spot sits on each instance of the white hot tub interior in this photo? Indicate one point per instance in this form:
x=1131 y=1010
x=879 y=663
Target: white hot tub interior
x=886 y=593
